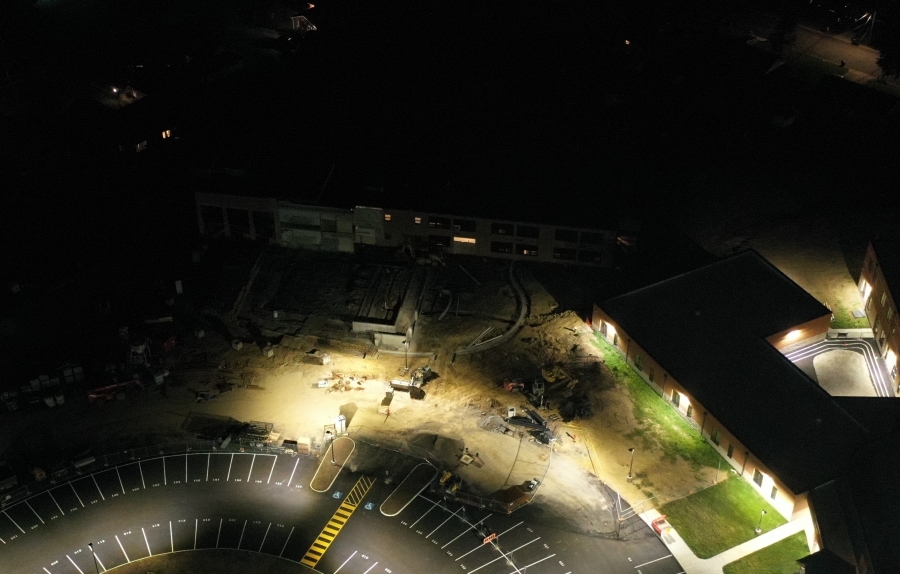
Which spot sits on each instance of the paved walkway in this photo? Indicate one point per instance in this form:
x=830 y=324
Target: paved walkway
x=714 y=565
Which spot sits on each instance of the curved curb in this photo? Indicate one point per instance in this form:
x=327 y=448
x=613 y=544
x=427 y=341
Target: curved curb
x=413 y=497
x=326 y=458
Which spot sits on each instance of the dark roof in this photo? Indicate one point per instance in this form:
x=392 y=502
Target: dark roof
x=880 y=416
x=887 y=249
x=873 y=482
x=825 y=562
x=707 y=328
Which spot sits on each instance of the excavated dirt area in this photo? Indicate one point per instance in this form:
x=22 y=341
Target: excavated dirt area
x=214 y=385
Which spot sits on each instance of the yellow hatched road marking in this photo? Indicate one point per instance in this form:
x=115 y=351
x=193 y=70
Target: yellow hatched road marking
x=337 y=521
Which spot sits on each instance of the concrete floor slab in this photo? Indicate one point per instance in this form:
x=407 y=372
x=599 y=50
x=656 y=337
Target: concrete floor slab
x=844 y=374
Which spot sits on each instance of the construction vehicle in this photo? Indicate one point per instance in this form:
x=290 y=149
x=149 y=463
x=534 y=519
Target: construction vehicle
x=513 y=385
x=414 y=385
x=116 y=390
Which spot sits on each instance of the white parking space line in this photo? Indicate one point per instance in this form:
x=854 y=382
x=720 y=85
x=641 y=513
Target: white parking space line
x=503 y=555
x=442 y=523
x=285 y=542
x=120 y=480
x=510 y=528
x=293 y=471
x=370 y=568
x=229 y=468
x=345 y=562
x=433 y=504
x=219 y=534
x=123 y=549
x=527 y=566
x=252 y=461
x=56 y=503
x=47 y=571
x=264 y=537
x=35 y=513
x=471 y=526
x=171 y=538
x=498 y=536
x=144 y=484
x=3 y=541
x=652 y=561
x=98 y=487
x=14 y=522
x=242 y=535
x=165 y=480
x=76 y=495
x=274 y=460
x=150 y=552
x=196 y=520
x=100 y=562
x=73 y=564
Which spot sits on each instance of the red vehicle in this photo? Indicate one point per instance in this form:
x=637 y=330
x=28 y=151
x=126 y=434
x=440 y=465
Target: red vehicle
x=116 y=390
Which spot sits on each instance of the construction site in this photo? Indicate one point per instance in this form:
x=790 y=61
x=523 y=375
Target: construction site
x=471 y=364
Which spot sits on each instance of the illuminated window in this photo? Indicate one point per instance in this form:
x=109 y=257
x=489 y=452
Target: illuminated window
x=883 y=298
x=774 y=493
x=464 y=240
x=890 y=313
x=387 y=216
x=418 y=220
x=166 y=134
x=757 y=477
x=141 y=146
x=439 y=222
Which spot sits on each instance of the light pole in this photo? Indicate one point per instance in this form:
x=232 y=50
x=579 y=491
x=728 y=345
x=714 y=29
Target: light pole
x=91 y=546
x=759 y=526
x=331 y=448
x=631 y=466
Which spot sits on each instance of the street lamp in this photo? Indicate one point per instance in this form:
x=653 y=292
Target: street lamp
x=759 y=526
x=631 y=466
x=331 y=448
x=91 y=546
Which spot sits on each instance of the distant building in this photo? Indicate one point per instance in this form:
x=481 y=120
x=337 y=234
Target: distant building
x=341 y=230
x=880 y=273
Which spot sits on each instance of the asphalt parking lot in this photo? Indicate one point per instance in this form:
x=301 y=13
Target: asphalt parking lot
x=262 y=503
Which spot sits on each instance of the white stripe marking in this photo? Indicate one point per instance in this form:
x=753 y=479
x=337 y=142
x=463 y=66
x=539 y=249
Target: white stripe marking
x=123 y=549
x=274 y=460
x=293 y=471
x=242 y=535
x=525 y=568
x=345 y=562
x=98 y=487
x=76 y=495
x=229 y=468
x=370 y=567
x=73 y=564
x=150 y=552
x=35 y=513
x=253 y=460
x=285 y=542
x=503 y=555
x=144 y=484
x=14 y=522
x=56 y=503
x=264 y=538
x=652 y=561
x=120 y=480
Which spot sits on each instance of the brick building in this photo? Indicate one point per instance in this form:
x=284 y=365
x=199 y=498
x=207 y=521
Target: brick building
x=881 y=272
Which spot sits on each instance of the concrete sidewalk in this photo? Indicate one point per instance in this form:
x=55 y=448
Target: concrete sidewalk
x=694 y=565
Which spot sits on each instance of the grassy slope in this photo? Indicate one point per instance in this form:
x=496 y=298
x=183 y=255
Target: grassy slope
x=779 y=558
x=720 y=517
x=660 y=426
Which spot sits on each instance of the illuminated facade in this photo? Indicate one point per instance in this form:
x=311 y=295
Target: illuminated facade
x=881 y=270
x=711 y=343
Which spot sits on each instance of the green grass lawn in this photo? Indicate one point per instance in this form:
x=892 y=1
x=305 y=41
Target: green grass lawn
x=721 y=517
x=659 y=425
x=844 y=319
x=779 y=558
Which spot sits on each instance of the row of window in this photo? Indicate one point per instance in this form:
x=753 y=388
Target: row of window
x=511 y=229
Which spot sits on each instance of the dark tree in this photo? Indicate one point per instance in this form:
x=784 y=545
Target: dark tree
x=886 y=38
x=785 y=32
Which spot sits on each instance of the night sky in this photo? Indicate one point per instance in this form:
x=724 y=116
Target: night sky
x=513 y=108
